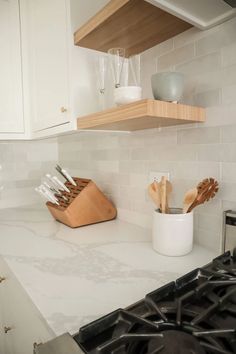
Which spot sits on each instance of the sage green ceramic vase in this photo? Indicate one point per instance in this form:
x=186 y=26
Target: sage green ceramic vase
x=167 y=86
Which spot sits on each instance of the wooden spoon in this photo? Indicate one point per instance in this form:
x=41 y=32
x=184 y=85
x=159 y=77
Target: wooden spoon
x=154 y=193
x=168 y=192
x=189 y=198
x=163 y=194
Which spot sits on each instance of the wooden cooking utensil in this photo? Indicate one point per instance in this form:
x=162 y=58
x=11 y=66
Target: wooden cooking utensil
x=154 y=193
x=212 y=191
x=163 y=194
x=204 y=184
x=159 y=193
x=189 y=198
x=207 y=189
x=168 y=192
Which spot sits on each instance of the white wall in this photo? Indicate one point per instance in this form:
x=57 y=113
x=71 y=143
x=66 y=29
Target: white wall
x=120 y=164
x=82 y=11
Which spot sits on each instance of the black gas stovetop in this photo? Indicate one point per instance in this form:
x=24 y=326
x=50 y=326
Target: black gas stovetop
x=196 y=314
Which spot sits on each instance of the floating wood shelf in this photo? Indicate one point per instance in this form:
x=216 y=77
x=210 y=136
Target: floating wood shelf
x=144 y=114
x=135 y=25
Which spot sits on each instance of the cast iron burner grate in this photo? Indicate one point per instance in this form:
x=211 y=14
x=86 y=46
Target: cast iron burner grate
x=194 y=315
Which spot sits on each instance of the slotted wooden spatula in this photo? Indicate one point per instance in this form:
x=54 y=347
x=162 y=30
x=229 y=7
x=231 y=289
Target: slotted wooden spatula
x=207 y=189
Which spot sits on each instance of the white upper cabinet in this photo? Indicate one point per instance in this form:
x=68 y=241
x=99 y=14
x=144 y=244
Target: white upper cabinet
x=11 y=95
x=48 y=61
x=46 y=82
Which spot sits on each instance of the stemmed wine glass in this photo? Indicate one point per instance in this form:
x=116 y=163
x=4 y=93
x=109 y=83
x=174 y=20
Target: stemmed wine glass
x=101 y=73
x=116 y=59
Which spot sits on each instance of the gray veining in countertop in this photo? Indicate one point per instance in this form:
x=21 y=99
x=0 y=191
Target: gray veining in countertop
x=77 y=275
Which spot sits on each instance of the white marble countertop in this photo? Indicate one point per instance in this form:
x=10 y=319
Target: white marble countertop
x=74 y=276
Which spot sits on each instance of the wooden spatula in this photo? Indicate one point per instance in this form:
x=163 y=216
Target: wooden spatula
x=154 y=193
x=168 y=192
x=207 y=189
x=189 y=198
x=163 y=194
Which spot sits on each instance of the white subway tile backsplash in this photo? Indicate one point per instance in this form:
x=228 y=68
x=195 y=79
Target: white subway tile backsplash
x=141 y=207
x=211 y=240
x=216 y=38
x=200 y=65
x=209 y=169
x=220 y=115
x=228 y=152
x=139 y=179
x=165 y=47
x=23 y=164
x=199 y=136
x=209 y=222
x=208 y=98
x=106 y=166
x=228 y=94
x=192 y=35
x=228 y=191
x=162 y=166
x=175 y=57
x=229 y=54
x=228 y=205
x=209 y=152
x=160 y=49
x=186 y=170
x=228 y=134
x=229 y=172
x=149 y=137
x=185 y=152
x=213 y=207
x=209 y=80
x=142 y=153
x=212 y=43
x=141 y=219
x=133 y=166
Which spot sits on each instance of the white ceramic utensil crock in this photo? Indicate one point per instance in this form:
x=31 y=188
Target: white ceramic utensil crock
x=172 y=234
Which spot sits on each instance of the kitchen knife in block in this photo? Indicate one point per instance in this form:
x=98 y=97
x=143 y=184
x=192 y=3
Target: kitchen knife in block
x=86 y=205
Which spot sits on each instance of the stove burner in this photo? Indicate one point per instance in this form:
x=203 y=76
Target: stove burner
x=194 y=315
x=232 y=298
x=177 y=342
x=231 y=290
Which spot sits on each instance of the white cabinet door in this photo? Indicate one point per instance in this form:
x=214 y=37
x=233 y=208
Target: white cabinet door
x=49 y=62
x=11 y=96
x=21 y=323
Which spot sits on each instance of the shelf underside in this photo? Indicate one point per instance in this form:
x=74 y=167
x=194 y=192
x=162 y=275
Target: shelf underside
x=135 y=25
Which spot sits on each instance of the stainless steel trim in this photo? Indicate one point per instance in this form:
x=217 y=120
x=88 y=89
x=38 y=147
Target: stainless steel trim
x=224 y=231
x=63 y=344
x=226 y=213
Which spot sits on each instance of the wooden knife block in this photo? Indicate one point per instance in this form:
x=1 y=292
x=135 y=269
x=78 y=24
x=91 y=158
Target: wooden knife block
x=86 y=205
